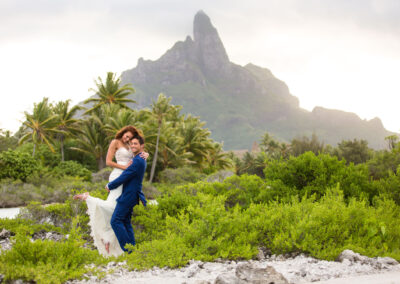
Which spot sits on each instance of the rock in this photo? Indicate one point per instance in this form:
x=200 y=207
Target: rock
x=352 y=257
x=260 y=255
x=228 y=278
x=387 y=261
x=349 y=256
x=18 y=281
x=44 y=235
x=268 y=275
x=193 y=268
x=5 y=245
x=111 y=264
x=5 y=234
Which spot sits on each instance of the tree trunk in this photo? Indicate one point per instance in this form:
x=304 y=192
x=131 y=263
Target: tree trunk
x=34 y=148
x=62 y=149
x=100 y=163
x=153 y=165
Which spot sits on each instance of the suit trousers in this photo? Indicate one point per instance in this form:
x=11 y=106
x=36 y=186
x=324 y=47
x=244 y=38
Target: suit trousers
x=121 y=224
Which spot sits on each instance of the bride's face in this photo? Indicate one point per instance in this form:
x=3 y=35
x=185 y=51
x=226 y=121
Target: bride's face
x=127 y=137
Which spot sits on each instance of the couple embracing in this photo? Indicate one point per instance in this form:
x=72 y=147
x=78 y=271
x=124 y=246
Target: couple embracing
x=110 y=219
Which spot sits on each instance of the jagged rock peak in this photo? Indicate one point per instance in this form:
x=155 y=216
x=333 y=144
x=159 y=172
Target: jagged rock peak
x=207 y=41
x=202 y=26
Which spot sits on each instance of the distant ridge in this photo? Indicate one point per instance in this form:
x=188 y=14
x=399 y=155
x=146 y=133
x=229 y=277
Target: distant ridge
x=239 y=103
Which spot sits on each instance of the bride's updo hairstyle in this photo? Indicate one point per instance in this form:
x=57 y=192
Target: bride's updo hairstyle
x=128 y=128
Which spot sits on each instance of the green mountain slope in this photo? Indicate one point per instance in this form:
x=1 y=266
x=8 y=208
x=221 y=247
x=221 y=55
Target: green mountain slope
x=238 y=103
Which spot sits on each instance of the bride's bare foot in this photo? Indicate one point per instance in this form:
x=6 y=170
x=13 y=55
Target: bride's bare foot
x=107 y=245
x=81 y=196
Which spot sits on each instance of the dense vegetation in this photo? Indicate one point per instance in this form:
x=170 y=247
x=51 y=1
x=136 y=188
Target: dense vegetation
x=298 y=197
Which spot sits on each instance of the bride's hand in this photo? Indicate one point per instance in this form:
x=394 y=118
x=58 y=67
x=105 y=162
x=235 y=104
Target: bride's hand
x=127 y=165
x=144 y=155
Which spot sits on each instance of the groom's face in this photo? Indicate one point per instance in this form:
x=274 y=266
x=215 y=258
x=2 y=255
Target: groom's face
x=135 y=146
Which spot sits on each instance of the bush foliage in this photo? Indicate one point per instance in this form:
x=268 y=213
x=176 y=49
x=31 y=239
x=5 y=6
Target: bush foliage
x=313 y=204
x=17 y=165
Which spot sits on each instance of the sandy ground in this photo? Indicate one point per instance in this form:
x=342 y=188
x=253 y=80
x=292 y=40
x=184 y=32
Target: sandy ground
x=391 y=277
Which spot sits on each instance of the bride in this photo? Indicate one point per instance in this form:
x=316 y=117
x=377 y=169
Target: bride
x=99 y=210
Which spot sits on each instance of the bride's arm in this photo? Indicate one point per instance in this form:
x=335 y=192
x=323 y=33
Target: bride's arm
x=110 y=155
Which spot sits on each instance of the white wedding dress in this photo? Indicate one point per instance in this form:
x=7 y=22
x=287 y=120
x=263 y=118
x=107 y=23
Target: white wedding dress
x=100 y=211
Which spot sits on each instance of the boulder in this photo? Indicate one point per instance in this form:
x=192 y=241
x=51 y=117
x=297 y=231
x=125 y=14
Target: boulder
x=249 y=274
x=351 y=257
x=5 y=234
x=228 y=278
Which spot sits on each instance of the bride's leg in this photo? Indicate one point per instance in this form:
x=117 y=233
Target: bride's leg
x=81 y=196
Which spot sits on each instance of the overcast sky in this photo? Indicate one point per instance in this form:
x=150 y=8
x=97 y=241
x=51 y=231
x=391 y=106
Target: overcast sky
x=341 y=54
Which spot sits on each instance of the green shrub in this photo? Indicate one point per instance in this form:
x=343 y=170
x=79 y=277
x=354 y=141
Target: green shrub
x=72 y=168
x=26 y=227
x=311 y=174
x=384 y=163
x=43 y=154
x=17 y=165
x=389 y=187
x=44 y=189
x=323 y=229
x=47 y=261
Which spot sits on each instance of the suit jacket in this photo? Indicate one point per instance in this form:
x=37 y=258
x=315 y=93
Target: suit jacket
x=131 y=178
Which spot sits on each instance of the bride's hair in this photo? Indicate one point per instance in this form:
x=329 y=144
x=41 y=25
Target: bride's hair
x=128 y=128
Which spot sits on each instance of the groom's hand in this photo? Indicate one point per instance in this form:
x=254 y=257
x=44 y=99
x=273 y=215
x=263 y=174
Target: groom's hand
x=107 y=188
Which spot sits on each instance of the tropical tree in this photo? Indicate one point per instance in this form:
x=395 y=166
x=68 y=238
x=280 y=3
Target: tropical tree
x=159 y=110
x=196 y=140
x=119 y=118
x=273 y=148
x=66 y=123
x=40 y=126
x=217 y=159
x=304 y=144
x=392 y=141
x=253 y=164
x=110 y=92
x=93 y=140
x=7 y=141
x=355 y=151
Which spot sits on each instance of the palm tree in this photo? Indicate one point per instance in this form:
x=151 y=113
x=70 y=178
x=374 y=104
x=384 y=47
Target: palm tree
x=110 y=92
x=159 y=110
x=196 y=140
x=65 y=122
x=119 y=118
x=217 y=159
x=40 y=126
x=93 y=140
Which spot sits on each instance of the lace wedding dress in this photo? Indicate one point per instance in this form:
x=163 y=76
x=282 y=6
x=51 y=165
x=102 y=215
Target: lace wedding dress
x=100 y=211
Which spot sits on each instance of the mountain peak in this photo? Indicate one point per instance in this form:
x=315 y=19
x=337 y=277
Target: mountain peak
x=208 y=44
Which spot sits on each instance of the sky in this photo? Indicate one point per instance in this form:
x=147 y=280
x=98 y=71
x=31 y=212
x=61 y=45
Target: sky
x=338 y=54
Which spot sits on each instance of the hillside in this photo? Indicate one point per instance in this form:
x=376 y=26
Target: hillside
x=239 y=103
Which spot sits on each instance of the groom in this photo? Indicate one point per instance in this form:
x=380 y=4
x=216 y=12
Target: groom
x=131 y=179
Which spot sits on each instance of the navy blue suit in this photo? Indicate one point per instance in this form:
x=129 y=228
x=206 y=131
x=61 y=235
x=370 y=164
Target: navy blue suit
x=131 y=179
